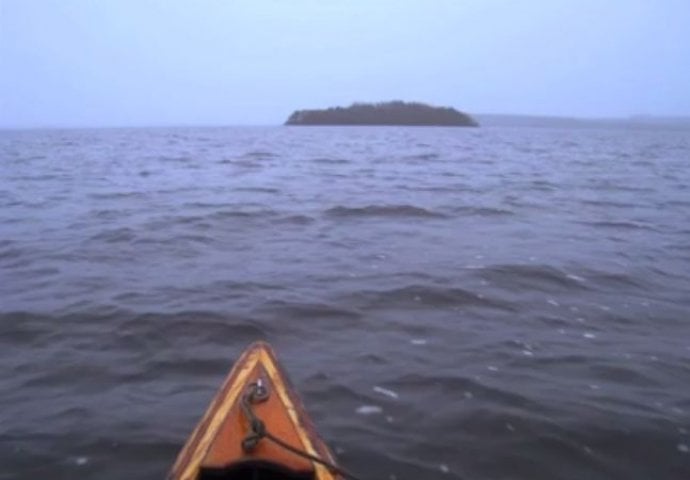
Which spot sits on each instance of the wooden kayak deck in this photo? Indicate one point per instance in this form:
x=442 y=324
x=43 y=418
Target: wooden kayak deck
x=214 y=449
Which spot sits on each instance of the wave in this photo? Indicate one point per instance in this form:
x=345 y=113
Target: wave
x=296 y=219
x=207 y=221
x=611 y=280
x=538 y=277
x=608 y=186
x=392 y=211
x=205 y=205
x=175 y=159
x=37 y=178
x=242 y=214
x=543 y=185
x=307 y=311
x=422 y=296
x=10 y=255
x=111 y=213
x=264 y=214
x=619 y=225
x=260 y=154
x=117 y=195
x=257 y=189
x=189 y=327
x=331 y=161
x=425 y=157
x=482 y=211
x=115 y=235
x=250 y=163
x=675 y=203
x=610 y=203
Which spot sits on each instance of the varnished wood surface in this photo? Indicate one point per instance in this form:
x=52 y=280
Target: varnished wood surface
x=216 y=441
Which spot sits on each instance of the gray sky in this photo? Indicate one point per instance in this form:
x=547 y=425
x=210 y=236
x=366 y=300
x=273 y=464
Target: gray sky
x=220 y=62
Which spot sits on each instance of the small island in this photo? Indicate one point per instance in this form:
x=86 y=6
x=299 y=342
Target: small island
x=386 y=113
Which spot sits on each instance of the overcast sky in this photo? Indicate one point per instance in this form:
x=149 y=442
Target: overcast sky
x=230 y=62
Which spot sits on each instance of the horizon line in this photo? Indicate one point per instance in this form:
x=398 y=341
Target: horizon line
x=640 y=118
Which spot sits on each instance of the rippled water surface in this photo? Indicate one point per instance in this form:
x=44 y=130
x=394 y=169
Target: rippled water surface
x=486 y=303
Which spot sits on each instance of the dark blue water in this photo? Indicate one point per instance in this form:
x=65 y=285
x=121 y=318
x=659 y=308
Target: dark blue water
x=487 y=303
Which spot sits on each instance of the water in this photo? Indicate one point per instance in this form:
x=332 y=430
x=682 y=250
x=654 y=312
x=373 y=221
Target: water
x=487 y=303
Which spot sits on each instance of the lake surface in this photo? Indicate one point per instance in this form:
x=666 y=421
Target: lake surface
x=492 y=303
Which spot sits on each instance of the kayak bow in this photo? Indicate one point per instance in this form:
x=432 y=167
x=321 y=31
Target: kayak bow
x=255 y=428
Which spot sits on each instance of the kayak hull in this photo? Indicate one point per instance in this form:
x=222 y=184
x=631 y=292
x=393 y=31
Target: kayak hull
x=215 y=450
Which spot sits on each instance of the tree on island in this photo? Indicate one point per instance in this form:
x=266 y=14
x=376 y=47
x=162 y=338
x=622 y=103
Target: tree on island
x=385 y=113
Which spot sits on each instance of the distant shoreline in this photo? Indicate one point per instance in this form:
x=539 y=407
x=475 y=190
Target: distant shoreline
x=638 y=121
